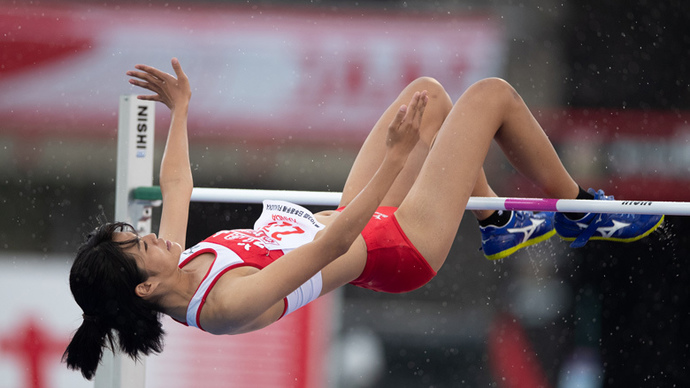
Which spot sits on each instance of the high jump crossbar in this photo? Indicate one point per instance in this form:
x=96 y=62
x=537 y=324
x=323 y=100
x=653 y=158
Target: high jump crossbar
x=208 y=194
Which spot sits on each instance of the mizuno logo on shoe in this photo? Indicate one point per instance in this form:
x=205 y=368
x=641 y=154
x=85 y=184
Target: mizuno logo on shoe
x=607 y=231
x=527 y=230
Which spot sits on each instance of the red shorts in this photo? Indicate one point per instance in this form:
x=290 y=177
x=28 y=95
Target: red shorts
x=393 y=264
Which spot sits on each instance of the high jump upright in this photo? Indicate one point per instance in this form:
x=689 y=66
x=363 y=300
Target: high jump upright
x=135 y=140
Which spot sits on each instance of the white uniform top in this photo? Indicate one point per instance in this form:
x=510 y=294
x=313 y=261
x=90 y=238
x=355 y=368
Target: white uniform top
x=282 y=227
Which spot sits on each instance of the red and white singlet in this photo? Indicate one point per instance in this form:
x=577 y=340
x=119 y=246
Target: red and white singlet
x=283 y=226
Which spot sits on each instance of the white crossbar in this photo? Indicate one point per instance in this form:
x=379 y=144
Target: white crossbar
x=200 y=194
x=319 y=198
x=581 y=205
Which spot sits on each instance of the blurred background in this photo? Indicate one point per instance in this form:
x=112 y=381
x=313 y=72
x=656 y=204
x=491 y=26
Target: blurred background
x=283 y=95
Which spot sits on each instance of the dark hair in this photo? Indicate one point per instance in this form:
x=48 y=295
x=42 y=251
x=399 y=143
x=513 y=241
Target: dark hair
x=103 y=280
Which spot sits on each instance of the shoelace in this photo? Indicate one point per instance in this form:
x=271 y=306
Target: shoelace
x=585 y=235
x=599 y=194
x=596 y=222
x=521 y=216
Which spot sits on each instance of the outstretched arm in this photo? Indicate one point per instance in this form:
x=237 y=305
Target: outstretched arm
x=175 y=172
x=252 y=295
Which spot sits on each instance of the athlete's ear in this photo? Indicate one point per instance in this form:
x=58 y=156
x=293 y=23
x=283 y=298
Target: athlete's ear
x=145 y=289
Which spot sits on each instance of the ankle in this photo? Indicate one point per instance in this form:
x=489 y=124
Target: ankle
x=582 y=194
x=497 y=218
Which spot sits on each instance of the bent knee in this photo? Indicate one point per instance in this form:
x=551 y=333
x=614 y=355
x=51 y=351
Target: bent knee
x=435 y=90
x=495 y=91
x=494 y=85
x=426 y=83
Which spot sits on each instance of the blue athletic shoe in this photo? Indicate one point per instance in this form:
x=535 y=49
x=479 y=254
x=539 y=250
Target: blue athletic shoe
x=609 y=227
x=524 y=229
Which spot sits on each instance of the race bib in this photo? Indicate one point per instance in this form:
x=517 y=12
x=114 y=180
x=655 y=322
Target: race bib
x=288 y=225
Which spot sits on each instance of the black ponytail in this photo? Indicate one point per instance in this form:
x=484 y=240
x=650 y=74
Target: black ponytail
x=85 y=350
x=103 y=280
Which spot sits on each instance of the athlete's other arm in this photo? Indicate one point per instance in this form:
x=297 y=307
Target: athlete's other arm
x=252 y=295
x=175 y=172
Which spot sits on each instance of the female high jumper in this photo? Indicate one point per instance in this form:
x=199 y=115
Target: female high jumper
x=401 y=207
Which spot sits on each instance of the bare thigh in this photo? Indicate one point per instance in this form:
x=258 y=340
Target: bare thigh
x=374 y=148
x=349 y=266
x=432 y=211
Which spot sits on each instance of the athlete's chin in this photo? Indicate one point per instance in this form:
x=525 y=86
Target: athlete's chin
x=176 y=247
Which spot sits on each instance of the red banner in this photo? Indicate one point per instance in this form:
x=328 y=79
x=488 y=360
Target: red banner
x=631 y=154
x=256 y=73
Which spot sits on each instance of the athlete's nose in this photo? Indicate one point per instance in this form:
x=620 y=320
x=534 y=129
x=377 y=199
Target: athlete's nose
x=151 y=237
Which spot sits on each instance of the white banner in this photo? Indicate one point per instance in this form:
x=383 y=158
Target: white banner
x=38 y=317
x=257 y=74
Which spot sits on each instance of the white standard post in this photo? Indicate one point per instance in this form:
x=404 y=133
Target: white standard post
x=134 y=168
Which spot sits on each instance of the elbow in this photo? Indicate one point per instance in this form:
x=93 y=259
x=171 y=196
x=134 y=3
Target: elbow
x=176 y=174
x=329 y=249
x=337 y=241
x=339 y=248
x=179 y=184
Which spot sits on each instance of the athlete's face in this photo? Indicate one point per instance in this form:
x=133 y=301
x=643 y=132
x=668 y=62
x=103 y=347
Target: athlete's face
x=154 y=255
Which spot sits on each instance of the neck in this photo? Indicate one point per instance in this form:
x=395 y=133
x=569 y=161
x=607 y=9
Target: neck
x=178 y=291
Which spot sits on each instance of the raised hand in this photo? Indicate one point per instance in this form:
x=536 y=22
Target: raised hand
x=403 y=131
x=170 y=90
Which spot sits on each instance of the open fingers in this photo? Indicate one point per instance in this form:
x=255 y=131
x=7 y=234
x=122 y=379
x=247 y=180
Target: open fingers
x=178 y=69
x=144 y=75
x=146 y=84
x=167 y=88
x=150 y=78
x=150 y=75
x=153 y=73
